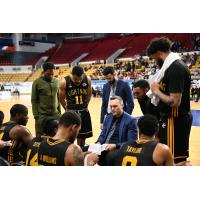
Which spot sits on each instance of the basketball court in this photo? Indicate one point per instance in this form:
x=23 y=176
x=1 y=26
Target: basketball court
x=95 y=107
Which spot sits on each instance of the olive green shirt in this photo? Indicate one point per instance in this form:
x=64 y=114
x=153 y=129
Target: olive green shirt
x=44 y=97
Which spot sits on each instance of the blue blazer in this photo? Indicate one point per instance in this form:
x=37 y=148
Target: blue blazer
x=127 y=130
x=124 y=91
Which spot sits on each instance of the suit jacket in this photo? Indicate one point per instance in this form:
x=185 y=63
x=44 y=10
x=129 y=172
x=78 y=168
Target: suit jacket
x=127 y=130
x=124 y=91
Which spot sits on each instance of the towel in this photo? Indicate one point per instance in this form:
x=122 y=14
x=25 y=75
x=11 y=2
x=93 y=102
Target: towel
x=160 y=74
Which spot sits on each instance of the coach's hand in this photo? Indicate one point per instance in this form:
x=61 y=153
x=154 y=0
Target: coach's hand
x=110 y=147
x=101 y=126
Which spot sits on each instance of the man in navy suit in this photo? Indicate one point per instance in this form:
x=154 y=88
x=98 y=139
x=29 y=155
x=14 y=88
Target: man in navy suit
x=119 y=127
x=115 y=87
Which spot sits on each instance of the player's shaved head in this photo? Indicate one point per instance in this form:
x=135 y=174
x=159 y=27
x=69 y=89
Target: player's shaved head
x=148 y=125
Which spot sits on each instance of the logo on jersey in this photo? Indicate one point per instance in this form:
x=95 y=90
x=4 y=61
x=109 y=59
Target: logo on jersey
x=70 y=86
x=164 y=125
x=162 y=86
x=84 y=84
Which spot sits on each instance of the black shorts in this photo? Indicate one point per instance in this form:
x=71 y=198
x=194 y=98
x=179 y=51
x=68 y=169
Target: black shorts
x=175 y=132
x=86 y=124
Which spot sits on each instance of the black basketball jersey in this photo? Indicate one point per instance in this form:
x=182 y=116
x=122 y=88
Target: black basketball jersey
x=52 y=152
x=14 y=153
x=32 y=152
x=148 y=108
x=177 y=79
x=76 y=95
x=134 y=154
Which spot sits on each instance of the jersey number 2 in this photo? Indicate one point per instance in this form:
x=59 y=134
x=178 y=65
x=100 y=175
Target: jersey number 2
x=129 y=161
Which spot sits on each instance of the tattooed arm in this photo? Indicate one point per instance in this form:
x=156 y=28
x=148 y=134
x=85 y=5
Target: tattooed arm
x=173 y=100
x=74 y=156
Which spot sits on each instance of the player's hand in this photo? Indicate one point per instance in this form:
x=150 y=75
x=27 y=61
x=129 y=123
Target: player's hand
x=4 y=144
x=92 y=159
x=155 y=87
x=110 y=147
x=101 y=126
x=184 y=163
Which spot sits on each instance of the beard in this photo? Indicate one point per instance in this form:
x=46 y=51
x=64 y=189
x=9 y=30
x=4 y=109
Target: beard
x=22 y=122
x=48 y=79
x=159 y=62
x=73 y=137
x=112 y=82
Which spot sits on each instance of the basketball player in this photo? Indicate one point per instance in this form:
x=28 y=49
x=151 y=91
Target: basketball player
x=174 y=93
x=49 y=128
x=144 y=152
x=75 y=94
x=60 y=150
x=140 y=88
x=15 y=131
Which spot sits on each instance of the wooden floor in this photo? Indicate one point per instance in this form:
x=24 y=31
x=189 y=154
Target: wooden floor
x=95 y=107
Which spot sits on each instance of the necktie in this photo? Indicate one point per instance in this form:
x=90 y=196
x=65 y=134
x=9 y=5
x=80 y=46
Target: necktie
x=111 y=132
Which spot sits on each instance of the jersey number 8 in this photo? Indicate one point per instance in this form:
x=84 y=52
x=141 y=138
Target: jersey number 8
x=129 y=161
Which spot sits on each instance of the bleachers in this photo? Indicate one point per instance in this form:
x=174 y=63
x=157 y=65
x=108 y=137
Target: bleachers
x=198 y=62
x=59 y=73
x=34 y=60
x=19 y=77
x=99 y=49
x=184 y=39
x=13 y=77
x=19 y=57
x=107 y=47
x=140 y=42
x=5 y=62
x=5 y=77
x=50 y=52
x=62 y=72
x=69 y=51
x=34 y=75
x=196 y=69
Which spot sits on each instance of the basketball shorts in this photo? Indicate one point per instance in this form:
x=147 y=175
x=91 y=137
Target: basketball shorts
x=86 y=124
x=175 y=132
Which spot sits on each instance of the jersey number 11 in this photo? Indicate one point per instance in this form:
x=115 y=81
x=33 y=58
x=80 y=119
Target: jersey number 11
x=79 y=99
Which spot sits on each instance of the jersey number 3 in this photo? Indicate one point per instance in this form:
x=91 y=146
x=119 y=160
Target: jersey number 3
x=129 y=161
